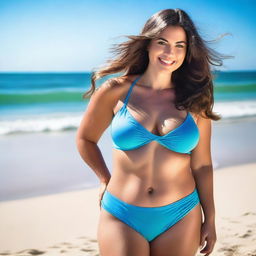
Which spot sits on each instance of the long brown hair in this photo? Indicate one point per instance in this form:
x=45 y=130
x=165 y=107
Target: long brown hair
x=193 y=80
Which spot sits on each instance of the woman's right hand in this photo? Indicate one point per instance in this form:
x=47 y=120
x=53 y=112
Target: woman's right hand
x=103 y=187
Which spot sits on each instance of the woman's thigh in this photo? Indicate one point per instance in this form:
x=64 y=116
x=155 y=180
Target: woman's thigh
x=182 y=239
x=116 y=238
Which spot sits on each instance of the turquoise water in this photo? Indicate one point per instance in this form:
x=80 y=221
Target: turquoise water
x=31 y=102
x=236 y=85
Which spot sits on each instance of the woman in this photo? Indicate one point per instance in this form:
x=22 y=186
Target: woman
x=159 y=199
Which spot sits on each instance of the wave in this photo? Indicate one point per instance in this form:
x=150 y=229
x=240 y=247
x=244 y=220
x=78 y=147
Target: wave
x=71 y=120
x=42 y=123
x=235 y=109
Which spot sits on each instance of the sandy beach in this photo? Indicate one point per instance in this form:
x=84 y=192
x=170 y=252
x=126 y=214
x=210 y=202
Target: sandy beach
x=66 y=223
x=47 y=209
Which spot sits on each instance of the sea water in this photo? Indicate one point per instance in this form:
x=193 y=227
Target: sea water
x=45 y=102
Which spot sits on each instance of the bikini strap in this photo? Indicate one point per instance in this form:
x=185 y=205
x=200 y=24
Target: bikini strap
x=130 y=90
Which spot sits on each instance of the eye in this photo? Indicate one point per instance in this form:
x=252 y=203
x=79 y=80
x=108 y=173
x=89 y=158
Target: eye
x=181 y=46
x=161 y=42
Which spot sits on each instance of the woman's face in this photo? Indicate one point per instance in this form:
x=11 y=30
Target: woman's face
x=168 y=50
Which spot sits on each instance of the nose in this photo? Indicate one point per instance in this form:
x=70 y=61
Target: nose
x=169 y=51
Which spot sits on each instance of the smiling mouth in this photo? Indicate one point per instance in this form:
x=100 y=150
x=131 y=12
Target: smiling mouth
x=166 y=63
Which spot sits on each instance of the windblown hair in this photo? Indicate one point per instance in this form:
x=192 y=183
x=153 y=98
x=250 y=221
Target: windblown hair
x=193 y=80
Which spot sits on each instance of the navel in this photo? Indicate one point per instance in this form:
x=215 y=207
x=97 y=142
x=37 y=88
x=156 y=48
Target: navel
x=150 y=190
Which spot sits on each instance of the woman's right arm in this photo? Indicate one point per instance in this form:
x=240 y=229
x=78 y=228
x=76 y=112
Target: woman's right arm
x=96 y=119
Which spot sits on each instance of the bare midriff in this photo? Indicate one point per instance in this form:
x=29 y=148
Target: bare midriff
x=150 y=176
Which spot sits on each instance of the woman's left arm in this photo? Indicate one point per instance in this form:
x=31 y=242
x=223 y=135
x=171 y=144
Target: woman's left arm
x=202 y=170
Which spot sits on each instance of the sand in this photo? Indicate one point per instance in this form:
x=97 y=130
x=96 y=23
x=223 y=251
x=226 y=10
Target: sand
x=66 y=223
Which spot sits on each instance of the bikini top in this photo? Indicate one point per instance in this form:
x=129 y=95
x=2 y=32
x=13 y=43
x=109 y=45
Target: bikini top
x=127 y=133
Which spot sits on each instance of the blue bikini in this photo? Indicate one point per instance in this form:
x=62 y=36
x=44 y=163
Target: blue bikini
x=128 y=134
x=150 y=222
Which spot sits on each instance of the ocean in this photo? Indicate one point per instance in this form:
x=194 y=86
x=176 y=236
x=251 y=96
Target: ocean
x=45 y=102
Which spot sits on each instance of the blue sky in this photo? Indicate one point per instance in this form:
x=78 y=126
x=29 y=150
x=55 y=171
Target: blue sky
x=75 y=35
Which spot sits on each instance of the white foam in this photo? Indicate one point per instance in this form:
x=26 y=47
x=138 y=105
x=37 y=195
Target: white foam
x=235 y=109
x=43 y=123
x=63 y=121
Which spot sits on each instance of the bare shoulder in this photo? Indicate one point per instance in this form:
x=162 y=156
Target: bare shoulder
x=195 y=117
x=99 y=111
x=124 y=81
x=204 y=123
x=114 y=89
x=200 y=118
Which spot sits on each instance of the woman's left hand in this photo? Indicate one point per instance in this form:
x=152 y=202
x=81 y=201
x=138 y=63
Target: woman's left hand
x=208 y=235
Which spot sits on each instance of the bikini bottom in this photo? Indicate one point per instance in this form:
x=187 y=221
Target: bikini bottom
x=150 y=222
